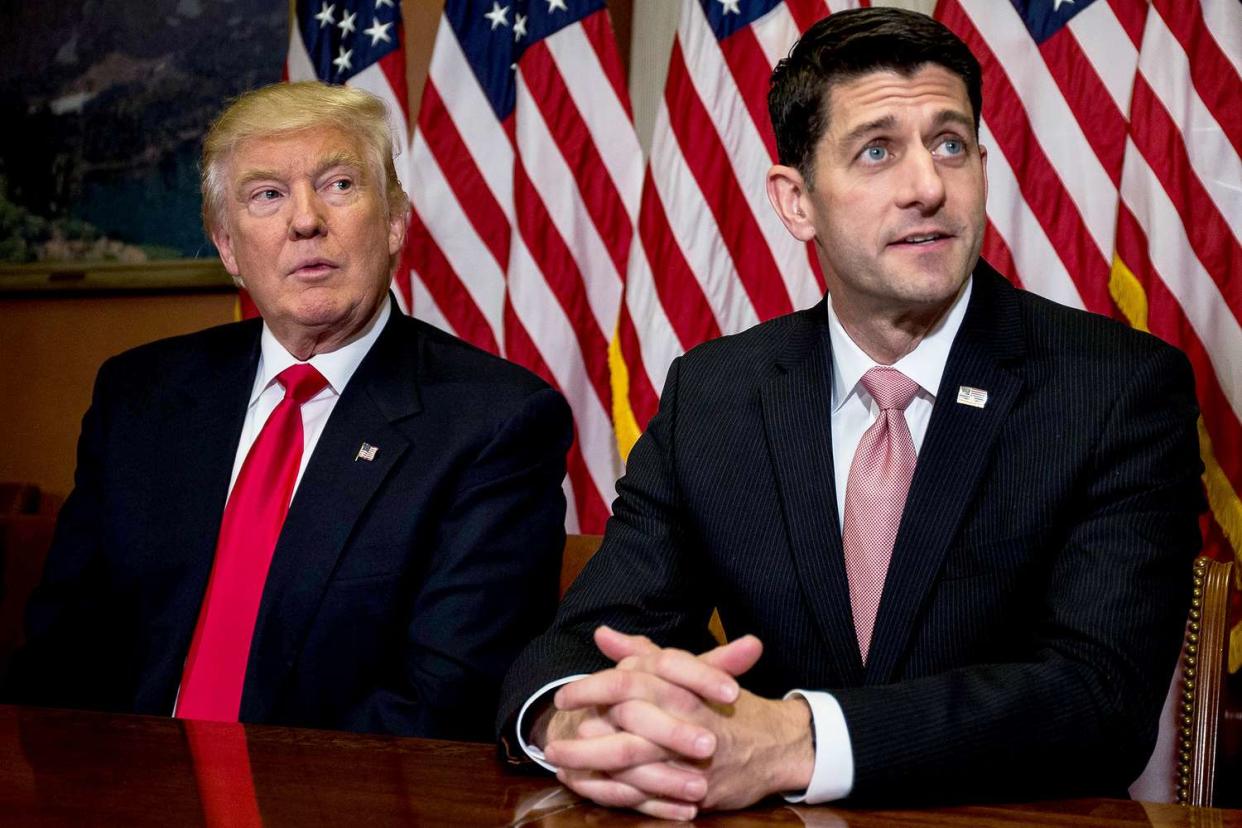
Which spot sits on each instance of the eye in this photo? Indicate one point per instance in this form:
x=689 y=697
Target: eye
x=952 y=146
x=875 y=153
x=266 y=194
x=341 y=185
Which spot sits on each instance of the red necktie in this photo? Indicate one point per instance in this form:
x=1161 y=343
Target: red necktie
x=215 y=669
x=875 y=496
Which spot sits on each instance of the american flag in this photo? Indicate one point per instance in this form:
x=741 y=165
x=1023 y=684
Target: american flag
x=523 y=174
x=525 y=179
x=1115 y=169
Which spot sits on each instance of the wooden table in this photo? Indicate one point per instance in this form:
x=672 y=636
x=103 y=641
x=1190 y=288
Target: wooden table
x=60 y=767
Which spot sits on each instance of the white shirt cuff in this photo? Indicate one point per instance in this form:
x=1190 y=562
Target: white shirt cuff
x=833 y=775
x=529 y=749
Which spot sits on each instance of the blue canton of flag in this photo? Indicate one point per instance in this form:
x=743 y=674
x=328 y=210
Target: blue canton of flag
x=1044 y=18
x=344 y=37
x=494 y=34
x=727 y=16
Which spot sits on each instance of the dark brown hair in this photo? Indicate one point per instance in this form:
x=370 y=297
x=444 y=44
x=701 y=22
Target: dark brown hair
x=846 y=45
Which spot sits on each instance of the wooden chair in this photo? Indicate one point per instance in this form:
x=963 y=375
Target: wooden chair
x=1199 y=708
x=1185 y=761
x=25 y=537
x=18 y=498
x=578 y=550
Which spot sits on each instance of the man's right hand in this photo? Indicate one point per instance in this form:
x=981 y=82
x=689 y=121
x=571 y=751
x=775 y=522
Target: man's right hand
x=626 y=736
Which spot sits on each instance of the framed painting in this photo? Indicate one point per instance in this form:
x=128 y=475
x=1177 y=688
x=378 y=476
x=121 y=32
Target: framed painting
x=105 y=103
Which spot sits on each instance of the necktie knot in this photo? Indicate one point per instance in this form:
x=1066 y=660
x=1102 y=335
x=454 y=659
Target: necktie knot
x=301 y=382
x=889 y=388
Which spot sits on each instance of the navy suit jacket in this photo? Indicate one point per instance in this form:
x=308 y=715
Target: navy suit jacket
x=400 y=589
x=1040 y=577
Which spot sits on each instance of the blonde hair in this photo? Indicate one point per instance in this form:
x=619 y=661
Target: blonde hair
x=292 y=107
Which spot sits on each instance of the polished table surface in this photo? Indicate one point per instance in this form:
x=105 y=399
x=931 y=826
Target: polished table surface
x=60 y=767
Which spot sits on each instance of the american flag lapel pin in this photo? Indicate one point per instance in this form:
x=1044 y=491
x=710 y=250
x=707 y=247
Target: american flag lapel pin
x=366 y=452
x=975 y=397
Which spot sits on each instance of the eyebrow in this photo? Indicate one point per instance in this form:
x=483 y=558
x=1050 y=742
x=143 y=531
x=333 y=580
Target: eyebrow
x=878 y=125
x=952 y=116
x=336 y=159
x=888 y=122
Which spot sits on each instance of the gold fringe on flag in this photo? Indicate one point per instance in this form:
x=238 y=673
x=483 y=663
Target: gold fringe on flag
x=624 y=423
x=1128 y=293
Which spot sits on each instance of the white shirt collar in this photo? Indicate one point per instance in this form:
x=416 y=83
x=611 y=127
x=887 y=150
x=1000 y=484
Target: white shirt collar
x=336 y=366
x=925 y=364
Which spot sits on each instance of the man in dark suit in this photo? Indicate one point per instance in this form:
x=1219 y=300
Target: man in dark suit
x=948 y=524
x=421 y=477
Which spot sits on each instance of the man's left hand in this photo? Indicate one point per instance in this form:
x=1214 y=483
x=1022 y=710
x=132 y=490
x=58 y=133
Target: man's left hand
x=763 y=746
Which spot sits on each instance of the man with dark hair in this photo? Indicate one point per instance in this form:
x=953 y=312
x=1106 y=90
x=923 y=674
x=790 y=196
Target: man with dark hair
x=947 y=524
x=335 y=516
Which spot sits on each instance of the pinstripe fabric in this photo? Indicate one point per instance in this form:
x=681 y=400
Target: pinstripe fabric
x=1039 y=580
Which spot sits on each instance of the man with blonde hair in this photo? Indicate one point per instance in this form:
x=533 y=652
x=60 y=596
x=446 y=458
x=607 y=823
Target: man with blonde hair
x=334 y=516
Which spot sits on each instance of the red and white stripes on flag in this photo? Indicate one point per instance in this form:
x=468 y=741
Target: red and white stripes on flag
x=1115 y=173
x=525 y=174
x=711 y=256
x=1178 y=269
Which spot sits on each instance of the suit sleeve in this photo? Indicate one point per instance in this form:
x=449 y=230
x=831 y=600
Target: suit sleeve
x=1075 y=711
x=641 y=581
x=491 y=584
x=53 y=666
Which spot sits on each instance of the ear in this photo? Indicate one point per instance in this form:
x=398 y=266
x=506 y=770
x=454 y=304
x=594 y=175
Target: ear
x=398 y=221
x=788 y=193
x=224 y=245
x=983 y=157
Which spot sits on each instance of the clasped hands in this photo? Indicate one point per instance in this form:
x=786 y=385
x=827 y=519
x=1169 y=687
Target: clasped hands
x=668 y=733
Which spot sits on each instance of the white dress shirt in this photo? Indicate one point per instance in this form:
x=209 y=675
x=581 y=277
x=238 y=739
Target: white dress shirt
x=853 y=412
x=337 y=368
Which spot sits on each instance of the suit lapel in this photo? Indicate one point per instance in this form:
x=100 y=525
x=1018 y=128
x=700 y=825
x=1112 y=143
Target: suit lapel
x=333 y=494
x=953 y=459
x=797 y=406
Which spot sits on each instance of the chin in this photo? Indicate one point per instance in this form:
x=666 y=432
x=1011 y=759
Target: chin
x=320 y=314
x=930 y=295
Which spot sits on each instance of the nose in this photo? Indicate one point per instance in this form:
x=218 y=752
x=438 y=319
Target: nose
x=308 y=218
x=922 y=185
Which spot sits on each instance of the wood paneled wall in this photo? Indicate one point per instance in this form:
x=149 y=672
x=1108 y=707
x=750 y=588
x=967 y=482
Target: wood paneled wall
x=50 y=350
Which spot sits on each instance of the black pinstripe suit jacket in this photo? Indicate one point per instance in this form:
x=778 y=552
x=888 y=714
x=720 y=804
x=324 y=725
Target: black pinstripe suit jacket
x=1039 y=581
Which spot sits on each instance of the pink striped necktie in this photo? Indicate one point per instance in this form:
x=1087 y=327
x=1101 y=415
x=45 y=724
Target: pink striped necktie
x=215 y=669
x=875 y=496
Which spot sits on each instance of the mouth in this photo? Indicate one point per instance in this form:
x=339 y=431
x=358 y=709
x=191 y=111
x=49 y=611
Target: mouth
x=313 y=268
x=922 y=240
